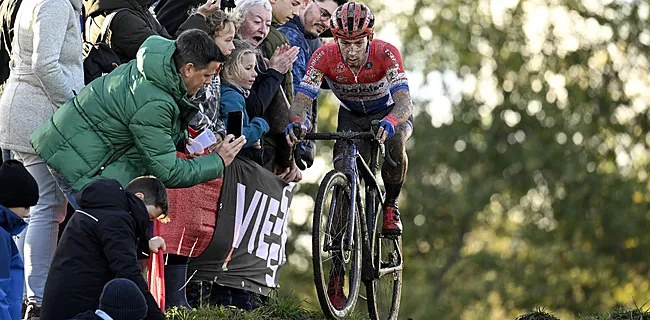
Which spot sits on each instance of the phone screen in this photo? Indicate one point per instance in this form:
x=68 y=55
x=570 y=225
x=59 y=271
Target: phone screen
x=235 y=123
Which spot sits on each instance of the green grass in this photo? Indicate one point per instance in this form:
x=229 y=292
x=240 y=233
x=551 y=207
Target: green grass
x=276 y=308
x=616 y=314
x=622 y=314
x=539 y=314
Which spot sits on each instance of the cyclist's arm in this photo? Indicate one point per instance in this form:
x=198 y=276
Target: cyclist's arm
x=399 y=87
x=306 y=93
x=301 y=103
x=403 y=106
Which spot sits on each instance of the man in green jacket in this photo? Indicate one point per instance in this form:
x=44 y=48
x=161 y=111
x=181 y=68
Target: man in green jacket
x=129 y=123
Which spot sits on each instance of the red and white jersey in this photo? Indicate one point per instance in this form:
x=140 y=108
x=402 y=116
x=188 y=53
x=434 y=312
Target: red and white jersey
x=370 y=90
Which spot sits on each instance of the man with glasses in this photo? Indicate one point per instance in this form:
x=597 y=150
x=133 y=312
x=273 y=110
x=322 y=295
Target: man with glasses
x=303 y=31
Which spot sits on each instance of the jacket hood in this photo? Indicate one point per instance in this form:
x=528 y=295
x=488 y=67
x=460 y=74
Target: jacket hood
x=94 y=7
x=156 y=63
x=11 y=222
x=108 y=194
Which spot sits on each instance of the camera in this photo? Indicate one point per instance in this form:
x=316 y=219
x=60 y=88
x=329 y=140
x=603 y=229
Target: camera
x=227 y=4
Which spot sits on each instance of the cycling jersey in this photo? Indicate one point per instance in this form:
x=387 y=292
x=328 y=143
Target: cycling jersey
x=370 y=90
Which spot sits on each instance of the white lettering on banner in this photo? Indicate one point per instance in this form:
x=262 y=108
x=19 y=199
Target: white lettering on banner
x=242 y=223
x=263 y=247
x=256 y=226
x=284 y=207
x=271 y=251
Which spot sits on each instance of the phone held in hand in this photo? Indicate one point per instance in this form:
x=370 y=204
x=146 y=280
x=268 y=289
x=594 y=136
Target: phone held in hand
x=235 y=123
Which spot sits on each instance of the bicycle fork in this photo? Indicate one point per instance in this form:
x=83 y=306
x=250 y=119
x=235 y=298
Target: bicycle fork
x=350 y=159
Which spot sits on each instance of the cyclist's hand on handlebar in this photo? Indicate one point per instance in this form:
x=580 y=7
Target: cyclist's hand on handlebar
x=386 y=131
x=295 y=132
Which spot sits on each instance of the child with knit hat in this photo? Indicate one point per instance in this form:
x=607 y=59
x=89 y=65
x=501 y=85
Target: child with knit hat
x=121 y=299
x=18 y=192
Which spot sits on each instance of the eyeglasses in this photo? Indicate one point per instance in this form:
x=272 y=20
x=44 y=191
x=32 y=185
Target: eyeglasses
x=324 y=14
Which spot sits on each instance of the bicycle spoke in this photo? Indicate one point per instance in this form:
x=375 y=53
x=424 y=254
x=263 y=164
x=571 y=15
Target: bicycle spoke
x=336 y=277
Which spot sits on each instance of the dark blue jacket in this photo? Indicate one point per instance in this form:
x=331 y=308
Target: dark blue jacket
x=232 y=99
x=12 y=270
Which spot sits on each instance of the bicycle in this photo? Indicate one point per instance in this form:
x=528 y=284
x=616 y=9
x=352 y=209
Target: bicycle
x=347 y=231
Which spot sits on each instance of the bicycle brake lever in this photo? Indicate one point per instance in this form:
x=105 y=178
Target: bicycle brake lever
x=374 y=126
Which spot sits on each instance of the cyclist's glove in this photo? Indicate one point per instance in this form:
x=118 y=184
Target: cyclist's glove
x=389 y=123
x=297 y=123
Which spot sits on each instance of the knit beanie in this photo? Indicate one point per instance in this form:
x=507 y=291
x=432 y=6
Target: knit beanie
x=123 y=300
x=18 y=189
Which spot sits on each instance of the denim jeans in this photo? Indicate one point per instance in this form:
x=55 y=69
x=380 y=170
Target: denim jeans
x=67 y=190
x=41 y=236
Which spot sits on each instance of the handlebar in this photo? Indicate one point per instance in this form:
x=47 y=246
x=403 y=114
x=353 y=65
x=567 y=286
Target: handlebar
x=370 y=135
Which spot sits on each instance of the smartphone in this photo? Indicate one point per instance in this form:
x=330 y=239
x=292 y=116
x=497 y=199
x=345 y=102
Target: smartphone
x=235 y=123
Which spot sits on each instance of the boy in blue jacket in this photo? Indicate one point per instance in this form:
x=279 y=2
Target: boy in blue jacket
x=18 y=192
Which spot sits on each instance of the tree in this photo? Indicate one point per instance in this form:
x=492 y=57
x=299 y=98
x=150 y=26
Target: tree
x=532 y=189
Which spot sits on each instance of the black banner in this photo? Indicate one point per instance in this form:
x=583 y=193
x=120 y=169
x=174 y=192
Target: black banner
x=248 y=246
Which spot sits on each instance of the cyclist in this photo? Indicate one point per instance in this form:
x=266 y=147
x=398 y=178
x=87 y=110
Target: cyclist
x=368 y=77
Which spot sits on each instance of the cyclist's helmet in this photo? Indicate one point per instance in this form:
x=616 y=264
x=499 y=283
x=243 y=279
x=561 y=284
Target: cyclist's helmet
x=352 y=21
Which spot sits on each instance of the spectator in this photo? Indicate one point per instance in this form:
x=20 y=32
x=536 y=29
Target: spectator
x=221 y=27
x=121 y=299
x=195 y=207
x=18 y=192
x=46 y=72
x=303 y=31
x=173 y=13
x=134 y=130
x=102 y=242
x=256 y=18
x=239 y=75
x=131 y=27
x=312 y=20
x=8 y=12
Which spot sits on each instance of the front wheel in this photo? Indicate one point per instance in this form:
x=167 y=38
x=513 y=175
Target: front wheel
x=336 y=254
x=385 y=290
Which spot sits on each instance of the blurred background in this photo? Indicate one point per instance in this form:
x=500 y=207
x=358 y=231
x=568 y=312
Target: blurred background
x=528 y=176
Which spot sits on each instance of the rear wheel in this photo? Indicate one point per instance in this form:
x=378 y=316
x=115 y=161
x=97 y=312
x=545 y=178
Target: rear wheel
x=385 y=291
x=336 y=254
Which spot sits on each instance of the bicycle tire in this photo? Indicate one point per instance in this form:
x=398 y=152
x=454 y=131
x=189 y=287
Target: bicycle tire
x=384 y=294
x=321 y=214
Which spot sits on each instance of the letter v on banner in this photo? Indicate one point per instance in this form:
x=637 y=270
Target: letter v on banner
x=241 y=223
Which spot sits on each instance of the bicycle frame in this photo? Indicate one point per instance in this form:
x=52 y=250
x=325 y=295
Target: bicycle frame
x=355 y=168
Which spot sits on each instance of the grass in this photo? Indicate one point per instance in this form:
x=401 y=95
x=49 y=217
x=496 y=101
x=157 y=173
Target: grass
x=622 y=314
x=539 y=314
x=288 y=308
x=616 y=314
x=276 y=308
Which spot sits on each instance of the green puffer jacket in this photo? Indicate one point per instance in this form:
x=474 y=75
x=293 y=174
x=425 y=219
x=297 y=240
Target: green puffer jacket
x=127 y=124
